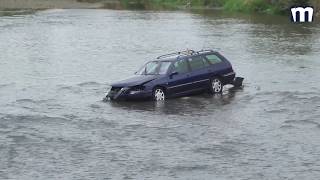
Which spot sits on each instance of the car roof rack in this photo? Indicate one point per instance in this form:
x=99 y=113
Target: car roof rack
x=205 y=50
x=187 y=52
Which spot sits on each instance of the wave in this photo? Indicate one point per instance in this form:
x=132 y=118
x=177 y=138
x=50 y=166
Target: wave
x=6 y=85
x=32 y=101
x=90 y=83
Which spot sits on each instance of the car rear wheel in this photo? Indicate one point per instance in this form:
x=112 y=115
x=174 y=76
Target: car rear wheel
x=159 y=94
x=216 y=86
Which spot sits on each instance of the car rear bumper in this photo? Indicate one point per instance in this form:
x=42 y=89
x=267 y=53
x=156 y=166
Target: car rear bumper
x=237 y=82
x=229 y=78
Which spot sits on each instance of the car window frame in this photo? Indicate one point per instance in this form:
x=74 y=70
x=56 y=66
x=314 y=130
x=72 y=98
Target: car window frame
x=157 y=69
x=207 y=61
x=168 y=70
x=203 y=58
x=180 y=59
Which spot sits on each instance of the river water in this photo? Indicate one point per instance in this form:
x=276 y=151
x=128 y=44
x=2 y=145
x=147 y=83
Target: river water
x=55 y=66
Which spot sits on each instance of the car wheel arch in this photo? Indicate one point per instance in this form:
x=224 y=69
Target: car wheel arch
x=220 y=77
x=160 y=86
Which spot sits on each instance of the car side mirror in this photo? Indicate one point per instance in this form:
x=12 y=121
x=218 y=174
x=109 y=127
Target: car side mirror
x=173 y=74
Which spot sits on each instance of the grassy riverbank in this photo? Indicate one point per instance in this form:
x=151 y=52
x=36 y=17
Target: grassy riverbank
x=46 y=4
x=248 y=6
x=267 y=6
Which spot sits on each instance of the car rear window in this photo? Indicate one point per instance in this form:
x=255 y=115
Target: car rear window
x=213 y=59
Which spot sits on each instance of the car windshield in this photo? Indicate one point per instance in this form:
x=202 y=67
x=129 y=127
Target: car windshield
x=155 y=67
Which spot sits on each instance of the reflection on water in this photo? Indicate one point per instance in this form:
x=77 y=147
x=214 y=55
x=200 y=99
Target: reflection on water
x=55 y=66
x=16 y=12
x=193 y=105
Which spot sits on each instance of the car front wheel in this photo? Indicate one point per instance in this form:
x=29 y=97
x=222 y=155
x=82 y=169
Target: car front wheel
x=159 y=94
x=216 y=86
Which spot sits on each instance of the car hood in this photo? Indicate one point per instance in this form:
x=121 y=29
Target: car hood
x=135 y=80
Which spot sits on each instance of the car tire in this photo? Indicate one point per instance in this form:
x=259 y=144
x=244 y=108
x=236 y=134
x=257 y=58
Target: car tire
x=159 y=94
x=216 y=86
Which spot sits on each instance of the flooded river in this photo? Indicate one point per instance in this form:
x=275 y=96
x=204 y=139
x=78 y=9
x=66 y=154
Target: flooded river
x=55 y=66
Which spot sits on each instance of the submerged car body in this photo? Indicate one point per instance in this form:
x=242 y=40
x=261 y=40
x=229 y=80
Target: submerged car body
x=177 y=74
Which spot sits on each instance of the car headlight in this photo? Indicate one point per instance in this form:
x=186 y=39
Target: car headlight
x=124 y=89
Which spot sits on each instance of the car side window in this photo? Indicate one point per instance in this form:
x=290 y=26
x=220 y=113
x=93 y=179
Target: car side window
x=205 y=62
x=196 y=62
x=181 y=66
x=213 y=59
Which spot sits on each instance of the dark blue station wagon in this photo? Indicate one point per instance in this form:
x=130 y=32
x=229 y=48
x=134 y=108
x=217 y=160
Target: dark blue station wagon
x=176 y=74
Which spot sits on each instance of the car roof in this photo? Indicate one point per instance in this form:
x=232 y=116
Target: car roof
x=188 y=53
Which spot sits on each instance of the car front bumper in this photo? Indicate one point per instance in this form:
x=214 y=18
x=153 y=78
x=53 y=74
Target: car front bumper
x=127 y=94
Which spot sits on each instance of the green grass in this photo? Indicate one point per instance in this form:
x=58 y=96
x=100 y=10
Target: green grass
x=249 y=6
x=171 y=3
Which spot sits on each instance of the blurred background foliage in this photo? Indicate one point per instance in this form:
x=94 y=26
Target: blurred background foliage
x=263 y=6
x=249 y=6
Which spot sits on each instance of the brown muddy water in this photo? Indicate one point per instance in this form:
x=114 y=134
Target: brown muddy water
x=55 y=67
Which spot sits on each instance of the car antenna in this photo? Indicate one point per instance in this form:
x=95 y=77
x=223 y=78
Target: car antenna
x=204 y=44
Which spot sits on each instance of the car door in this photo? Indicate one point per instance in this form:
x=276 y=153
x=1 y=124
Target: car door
x=180 y=82
x=199 y=72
